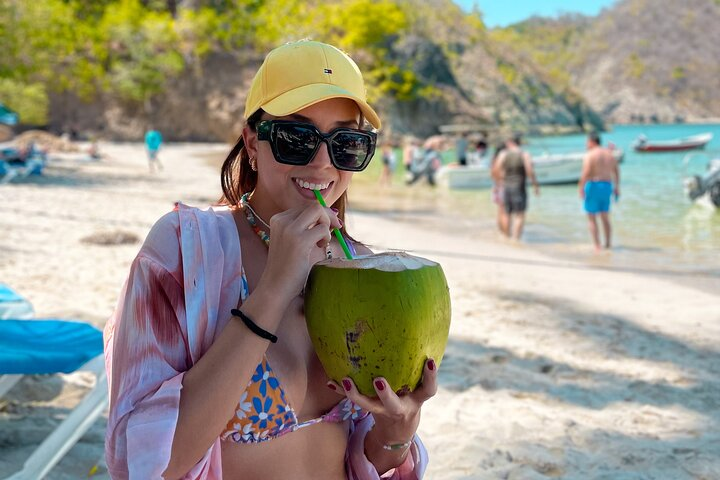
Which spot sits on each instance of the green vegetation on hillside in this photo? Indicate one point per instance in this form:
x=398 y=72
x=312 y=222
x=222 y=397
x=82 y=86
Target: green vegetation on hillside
x=545 y=43
x=129 y=49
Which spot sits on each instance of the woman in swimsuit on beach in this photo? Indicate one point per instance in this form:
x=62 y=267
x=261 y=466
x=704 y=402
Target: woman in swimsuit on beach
x=211 y=370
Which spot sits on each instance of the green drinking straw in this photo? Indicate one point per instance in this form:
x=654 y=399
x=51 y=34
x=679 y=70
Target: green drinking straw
x=338 y=235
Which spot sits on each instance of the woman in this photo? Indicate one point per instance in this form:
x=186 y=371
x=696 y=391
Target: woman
x=388 y=161
x=212 y=373
x=497 y=193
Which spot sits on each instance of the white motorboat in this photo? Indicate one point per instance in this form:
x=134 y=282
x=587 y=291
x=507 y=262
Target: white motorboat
x=550 y=169
x=642 y=144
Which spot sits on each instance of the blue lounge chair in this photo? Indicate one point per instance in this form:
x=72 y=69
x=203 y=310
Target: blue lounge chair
x=13 y=305
x=18 y=164
x=54 y=346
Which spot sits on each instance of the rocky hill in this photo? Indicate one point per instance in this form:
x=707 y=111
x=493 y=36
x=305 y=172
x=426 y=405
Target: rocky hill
x=653 y=60
x=465 y=76
x=639 y=61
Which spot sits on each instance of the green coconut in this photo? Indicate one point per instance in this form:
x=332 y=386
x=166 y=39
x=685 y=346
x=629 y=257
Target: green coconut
x=379 y=315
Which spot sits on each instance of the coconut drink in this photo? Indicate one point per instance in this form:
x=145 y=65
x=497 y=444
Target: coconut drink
x=379 y=315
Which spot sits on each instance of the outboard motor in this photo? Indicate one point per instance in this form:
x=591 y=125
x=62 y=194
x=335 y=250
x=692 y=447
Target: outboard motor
x=714 y=193
x=694 y=187
x=712 y=181
x=697 y=186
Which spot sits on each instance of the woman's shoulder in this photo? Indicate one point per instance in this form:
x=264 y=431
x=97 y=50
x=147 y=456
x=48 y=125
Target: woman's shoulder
x=362 y=249
x=186 y=225
x=184 y=216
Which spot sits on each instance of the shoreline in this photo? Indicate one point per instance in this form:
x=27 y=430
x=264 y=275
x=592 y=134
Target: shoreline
x=554 y=367
x=432 y=208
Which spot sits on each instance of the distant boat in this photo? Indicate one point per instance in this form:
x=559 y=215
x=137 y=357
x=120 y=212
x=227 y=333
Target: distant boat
x=642 y=144
x=550 y=169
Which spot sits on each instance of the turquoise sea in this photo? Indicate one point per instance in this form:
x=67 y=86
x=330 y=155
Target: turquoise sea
x=656 y=228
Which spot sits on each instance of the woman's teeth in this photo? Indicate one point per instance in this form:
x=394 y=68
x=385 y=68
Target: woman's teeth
x=312 y=186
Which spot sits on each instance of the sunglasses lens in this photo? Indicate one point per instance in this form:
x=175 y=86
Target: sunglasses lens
x=351 y=150
x=295 y=144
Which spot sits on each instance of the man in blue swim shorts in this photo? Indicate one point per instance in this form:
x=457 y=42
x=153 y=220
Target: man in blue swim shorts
x=600 y=178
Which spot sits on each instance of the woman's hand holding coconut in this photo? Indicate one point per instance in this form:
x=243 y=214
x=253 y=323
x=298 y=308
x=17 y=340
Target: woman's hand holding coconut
x=396 y=416
x=215 y=368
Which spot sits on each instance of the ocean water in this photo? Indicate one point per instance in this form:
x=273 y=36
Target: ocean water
x=656 y=229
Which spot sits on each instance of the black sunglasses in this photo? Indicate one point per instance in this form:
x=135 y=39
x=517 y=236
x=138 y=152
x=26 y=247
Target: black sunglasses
x=296 y=143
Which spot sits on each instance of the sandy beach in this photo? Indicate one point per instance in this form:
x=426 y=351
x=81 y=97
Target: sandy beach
x=554 y=368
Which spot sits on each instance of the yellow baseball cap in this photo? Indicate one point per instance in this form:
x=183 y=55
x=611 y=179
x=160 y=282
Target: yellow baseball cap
x=299 y=74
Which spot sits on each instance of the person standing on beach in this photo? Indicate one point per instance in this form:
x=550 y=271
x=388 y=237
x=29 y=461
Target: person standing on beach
x=214 y=300
x=480 y=152
x=428 y=163
x=153 y=141
x=461 y=146
x=411 y=154
x=498 y=192
x=600 y=178
x=514 y=166
x=388 y=165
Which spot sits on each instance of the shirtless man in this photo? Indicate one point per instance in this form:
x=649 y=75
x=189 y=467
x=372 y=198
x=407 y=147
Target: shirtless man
x=599 y=179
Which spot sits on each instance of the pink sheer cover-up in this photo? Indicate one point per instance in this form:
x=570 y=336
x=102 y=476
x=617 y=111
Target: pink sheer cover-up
x=181 y=285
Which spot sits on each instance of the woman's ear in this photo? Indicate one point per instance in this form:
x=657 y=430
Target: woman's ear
x=250 y=139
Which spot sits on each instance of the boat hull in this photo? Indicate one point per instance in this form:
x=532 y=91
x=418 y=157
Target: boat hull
x=681 y=145
x=552 y=169
x=673 y=148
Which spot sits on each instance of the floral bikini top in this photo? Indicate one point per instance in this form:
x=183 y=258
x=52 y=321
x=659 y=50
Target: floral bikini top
x=263 y=412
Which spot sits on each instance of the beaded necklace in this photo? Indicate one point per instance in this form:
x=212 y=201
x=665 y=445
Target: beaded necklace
x=251 y=216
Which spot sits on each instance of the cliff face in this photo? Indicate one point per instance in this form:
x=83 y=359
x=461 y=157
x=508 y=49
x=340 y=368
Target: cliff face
x=641 y=60
x=203 y=104
x=485 y=85
x=653 y=60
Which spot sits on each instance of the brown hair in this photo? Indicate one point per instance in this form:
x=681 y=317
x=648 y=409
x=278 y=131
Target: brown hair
x=237 y=178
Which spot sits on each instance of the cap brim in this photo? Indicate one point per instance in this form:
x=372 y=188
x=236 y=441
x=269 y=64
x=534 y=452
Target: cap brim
x=305 y=96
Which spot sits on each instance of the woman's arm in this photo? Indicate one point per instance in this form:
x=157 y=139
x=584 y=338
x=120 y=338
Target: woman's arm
x=212 y=387
x=165 y=406
x=360 y=468
x=167 y=411
x=396 y=418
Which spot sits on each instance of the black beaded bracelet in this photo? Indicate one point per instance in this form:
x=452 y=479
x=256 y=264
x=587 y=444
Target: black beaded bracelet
x=260 y=332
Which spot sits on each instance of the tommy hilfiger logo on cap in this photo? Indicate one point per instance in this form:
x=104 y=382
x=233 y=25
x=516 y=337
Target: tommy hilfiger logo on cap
x=327 y=70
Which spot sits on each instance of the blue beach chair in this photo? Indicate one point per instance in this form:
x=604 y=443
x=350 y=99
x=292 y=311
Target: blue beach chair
x=16 y=164
x=12 y=305
x=54 y=346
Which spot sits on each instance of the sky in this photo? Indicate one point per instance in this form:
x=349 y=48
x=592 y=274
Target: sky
x=501 y=13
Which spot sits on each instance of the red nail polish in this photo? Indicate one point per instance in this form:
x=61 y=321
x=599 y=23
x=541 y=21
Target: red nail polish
x=346 y=385
x=331 y=387
x=334 y=209
x=431 y=365
x=379 y=385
